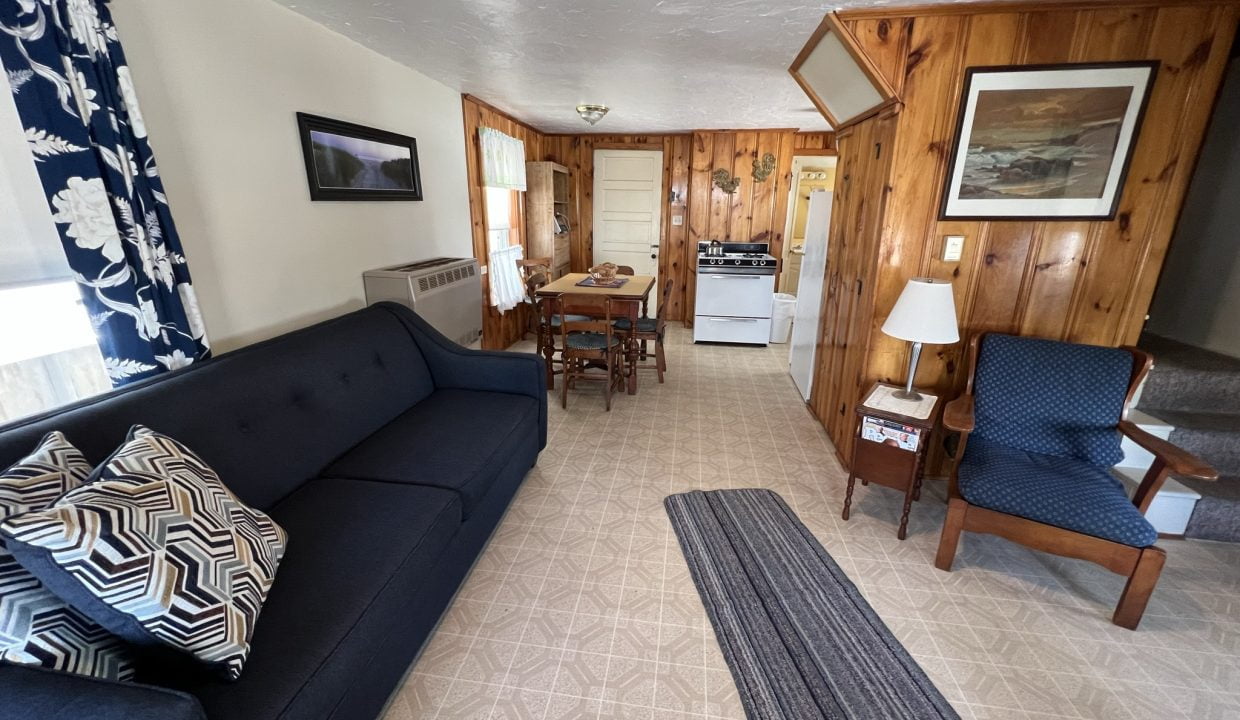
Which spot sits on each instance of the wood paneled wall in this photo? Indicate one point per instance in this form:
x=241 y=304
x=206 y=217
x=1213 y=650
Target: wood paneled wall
x=756 y=212
x=498 y=331
x=1085 y=281
x=576 y=152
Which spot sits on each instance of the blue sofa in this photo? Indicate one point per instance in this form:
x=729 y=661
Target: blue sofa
x=387 y=452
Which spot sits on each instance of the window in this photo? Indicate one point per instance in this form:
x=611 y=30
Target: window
x=499 y=217
x=48 y=352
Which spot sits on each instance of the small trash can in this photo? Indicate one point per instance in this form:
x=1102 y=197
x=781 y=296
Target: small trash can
x=781 y=317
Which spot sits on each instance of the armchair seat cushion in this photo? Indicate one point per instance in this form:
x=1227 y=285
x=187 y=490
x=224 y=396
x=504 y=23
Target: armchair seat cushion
x=1071 y=494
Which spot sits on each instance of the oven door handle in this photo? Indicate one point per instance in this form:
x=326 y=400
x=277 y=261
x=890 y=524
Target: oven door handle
x=725 y=319
x=739 y=277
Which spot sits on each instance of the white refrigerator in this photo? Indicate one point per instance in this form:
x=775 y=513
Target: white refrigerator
x=809 y=291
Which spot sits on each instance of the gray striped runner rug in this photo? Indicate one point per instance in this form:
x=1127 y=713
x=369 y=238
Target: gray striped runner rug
x=800 y=640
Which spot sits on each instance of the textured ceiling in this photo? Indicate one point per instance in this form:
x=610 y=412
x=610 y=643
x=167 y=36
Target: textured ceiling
x=660 y=65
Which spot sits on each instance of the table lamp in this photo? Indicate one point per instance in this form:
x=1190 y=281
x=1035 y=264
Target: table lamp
x=924 y=313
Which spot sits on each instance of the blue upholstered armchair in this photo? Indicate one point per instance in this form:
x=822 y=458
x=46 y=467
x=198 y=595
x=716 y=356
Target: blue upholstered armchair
x=1040 y=425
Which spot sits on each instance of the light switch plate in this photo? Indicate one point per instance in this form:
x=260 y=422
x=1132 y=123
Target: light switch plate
x=953 y=248
x=678 y=219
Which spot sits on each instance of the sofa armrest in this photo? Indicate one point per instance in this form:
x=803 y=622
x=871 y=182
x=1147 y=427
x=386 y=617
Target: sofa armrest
x=453 y=366
x=33 y=693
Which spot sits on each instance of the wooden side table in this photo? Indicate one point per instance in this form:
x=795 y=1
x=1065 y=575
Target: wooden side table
x=890 y=448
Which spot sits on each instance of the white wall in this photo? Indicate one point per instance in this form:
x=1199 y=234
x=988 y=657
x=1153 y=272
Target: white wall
x=1198 y=297
x=219 y=83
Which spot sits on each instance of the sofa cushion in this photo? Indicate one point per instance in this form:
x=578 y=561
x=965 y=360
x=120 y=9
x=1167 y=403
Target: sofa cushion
x=1067 y=493
x=350 y=539
x=266 y=417
x=36 y=626
x=156 y=549
x=454 y=439
x=1052 y=397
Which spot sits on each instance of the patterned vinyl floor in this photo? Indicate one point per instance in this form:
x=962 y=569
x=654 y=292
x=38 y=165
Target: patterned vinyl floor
x=582 y=606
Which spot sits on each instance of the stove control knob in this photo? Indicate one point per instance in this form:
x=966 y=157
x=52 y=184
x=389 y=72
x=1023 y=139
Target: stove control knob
x=753 y=262
x=736 y=262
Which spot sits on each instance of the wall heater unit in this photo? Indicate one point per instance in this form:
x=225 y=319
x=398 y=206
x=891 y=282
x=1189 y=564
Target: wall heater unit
x=446 y=292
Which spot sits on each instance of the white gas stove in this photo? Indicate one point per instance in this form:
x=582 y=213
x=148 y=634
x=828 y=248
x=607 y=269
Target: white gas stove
x=735 y=291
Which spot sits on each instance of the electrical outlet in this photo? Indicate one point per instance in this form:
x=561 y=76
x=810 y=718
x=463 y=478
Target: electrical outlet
x=678 y=220
x=953 y=248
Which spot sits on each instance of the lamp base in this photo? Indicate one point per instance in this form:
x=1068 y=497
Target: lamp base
x=910 y=395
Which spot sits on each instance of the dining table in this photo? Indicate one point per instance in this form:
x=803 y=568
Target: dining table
x=629 y=298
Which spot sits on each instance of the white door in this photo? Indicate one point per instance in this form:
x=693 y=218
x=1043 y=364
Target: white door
x=628 y=195
x=809 y=291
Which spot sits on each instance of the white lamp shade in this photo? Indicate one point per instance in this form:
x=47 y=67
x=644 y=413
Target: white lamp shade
x=925 y=313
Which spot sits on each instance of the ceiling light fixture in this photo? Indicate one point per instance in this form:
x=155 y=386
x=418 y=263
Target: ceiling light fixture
x=592 y=113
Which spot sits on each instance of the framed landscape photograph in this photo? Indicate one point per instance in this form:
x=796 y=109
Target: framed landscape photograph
x=345 y=161
x=1045 y=141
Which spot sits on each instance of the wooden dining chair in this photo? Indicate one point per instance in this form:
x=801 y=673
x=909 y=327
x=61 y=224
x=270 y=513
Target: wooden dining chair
x=530 y=266
x=625 y=270
x=1040 y=425
x=588 y=340
x=649 y=330
x=545 y=332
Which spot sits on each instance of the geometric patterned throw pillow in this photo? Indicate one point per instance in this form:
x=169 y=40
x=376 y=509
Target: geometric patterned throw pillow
x=157 y=550
x=36 y=626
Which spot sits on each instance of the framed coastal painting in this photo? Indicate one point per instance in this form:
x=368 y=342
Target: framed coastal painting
x=345 y=161
x=1045 y=141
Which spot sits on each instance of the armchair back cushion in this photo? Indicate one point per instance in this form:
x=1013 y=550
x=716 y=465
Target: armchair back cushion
x=1052 y=398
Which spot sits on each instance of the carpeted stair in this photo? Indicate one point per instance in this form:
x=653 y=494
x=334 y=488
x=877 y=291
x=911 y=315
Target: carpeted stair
x=1198 y=393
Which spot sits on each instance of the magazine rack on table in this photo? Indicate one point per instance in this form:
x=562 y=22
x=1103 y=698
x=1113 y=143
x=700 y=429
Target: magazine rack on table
x=890 y=448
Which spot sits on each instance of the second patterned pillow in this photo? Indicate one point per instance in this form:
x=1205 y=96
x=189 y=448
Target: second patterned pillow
x=157 y=550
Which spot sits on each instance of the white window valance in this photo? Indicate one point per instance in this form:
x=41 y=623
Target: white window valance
x=503 y=159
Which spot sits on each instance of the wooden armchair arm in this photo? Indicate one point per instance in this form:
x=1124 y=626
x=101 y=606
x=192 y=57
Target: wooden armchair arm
x=1168 y=459
x=1178 y=461
x=958 y=415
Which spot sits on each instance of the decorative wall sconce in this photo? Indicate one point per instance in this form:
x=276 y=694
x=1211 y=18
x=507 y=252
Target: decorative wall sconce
x=763 y=168
x=725 y=181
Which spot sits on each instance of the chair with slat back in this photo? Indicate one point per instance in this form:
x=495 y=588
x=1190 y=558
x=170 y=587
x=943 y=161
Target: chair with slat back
x=1040 y=425
x=650 y=330
x=587 y=339
x=545 y=332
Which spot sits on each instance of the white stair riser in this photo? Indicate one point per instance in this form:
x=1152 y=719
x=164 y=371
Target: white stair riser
x=1172 y=506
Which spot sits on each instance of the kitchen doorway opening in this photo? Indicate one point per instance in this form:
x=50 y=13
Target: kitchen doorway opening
x=809 y=173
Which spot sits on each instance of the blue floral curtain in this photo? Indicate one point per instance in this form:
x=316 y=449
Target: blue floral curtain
x=76 y=100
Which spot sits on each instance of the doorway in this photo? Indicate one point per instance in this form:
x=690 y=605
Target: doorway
x=809 y=173
x=628 y=195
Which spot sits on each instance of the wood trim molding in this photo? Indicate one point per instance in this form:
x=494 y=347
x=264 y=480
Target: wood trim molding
x=814 y=152
x=466 y=97
x=627 y=146
x=1007 y=6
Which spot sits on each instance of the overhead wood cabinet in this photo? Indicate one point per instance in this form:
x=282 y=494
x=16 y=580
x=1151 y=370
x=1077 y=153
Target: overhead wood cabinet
x=546 y=215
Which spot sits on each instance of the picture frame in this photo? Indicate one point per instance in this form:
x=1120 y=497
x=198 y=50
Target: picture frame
x=347 y=161
x=1045 y=142
x=838 y=77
